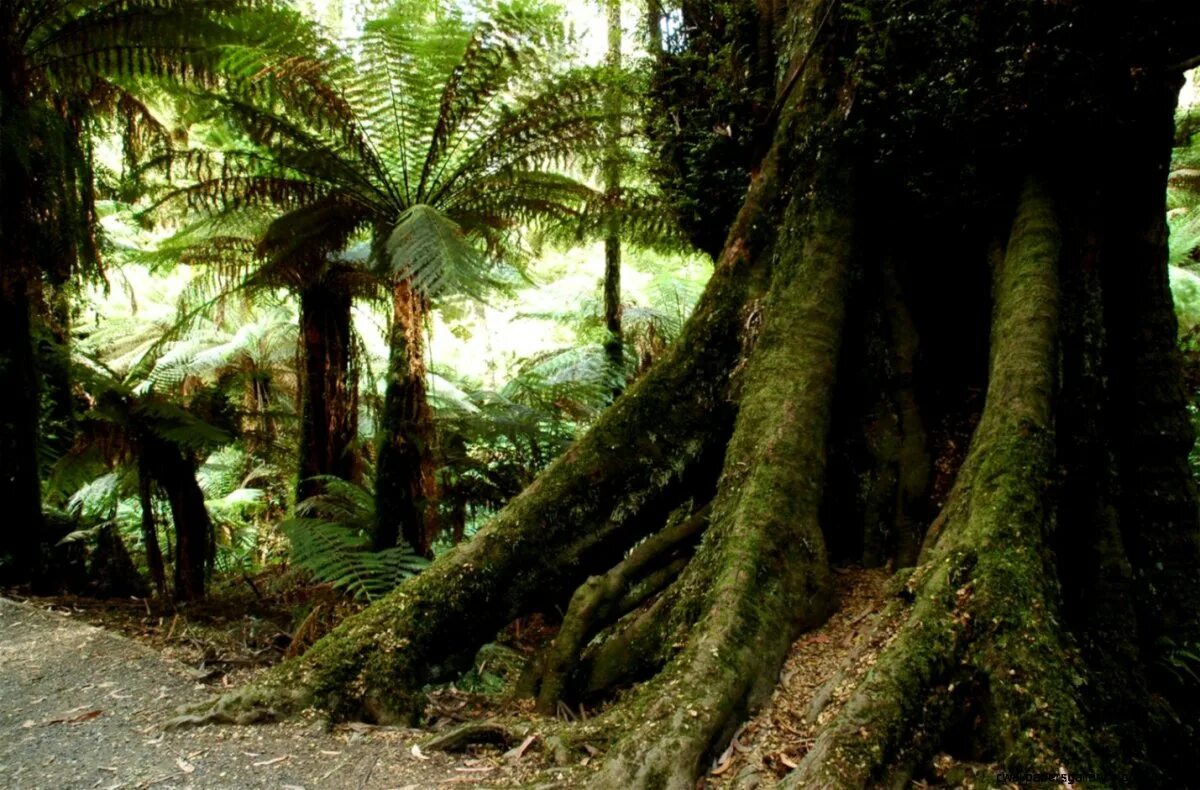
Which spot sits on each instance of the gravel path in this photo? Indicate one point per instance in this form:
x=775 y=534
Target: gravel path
x=81 y=707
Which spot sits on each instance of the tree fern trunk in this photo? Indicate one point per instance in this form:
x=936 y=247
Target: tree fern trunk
x=154 y=557
x=615 y=345
x=405 y=487
x=329 y=399
x=175 y=472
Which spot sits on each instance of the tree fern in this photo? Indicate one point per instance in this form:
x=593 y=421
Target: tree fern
x=330 y=537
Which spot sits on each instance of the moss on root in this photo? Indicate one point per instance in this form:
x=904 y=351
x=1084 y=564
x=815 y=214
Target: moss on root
x=985 y=597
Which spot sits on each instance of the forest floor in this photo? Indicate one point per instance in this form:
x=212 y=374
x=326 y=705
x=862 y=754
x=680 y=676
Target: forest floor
x=81 y=707
x=84 y=707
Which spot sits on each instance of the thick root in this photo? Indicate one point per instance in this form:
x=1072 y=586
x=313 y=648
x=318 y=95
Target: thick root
x=762 y=562
x=239 y=707
x=602 y=599
x=461 y=738
x=983 y=614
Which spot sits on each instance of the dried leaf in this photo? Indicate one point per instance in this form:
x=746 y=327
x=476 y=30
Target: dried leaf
x=519 y=752
x=272 y=761
x=80 y=717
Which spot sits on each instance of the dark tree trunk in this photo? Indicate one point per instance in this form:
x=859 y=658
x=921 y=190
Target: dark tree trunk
x=405 y=486
x=615 y=345
x=329 y=394
x=20 y=484
x=53 y=326
x=1029 y=636
x=174 y=470
x=154 y=557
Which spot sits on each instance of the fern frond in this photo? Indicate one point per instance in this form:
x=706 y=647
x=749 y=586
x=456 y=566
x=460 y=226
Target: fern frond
x=330 y=538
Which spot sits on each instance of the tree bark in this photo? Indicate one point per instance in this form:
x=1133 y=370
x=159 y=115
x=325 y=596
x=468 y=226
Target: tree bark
x=615 y=345
x=175 y=472
x=154 y=558
x=329 y=398
x=405 y=485
x=20 y=485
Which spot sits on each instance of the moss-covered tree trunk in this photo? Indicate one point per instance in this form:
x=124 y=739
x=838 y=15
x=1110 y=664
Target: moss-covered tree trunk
x=1022 y=316
x=614 y=346
x=405 y=486
x=329 y=397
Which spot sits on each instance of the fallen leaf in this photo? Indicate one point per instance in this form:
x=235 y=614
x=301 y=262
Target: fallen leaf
x=517 y=753
x=76 y=719
x=723 y=763
x=272 y=761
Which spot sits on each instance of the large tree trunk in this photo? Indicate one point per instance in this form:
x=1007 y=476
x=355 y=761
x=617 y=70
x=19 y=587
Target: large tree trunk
x=20 y=484
x=329 y=394
x=405 y=486
x=1031 y=630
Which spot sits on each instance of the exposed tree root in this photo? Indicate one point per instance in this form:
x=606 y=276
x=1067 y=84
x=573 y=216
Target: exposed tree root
x=762 y=561
x=983 y=611
x=238 y=707
x=602 y=599
x=461 y=738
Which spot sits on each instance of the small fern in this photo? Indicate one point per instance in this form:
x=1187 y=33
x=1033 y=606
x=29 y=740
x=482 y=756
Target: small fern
x=330 y=538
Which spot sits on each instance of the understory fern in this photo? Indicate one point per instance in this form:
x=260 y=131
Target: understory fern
x=330 y=537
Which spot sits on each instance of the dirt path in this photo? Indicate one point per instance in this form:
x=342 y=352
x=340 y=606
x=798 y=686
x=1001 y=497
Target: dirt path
x=81 y=707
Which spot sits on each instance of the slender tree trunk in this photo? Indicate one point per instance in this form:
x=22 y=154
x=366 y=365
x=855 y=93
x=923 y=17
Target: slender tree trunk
x=329 y=398
x=405 y=486
x=175 y=472
x=615 y=346
x=154 y=558
x=654 y=20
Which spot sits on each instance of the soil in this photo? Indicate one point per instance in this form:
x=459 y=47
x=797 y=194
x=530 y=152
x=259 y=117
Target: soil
x=81 y=707
x=84 y=706
x=822 y=669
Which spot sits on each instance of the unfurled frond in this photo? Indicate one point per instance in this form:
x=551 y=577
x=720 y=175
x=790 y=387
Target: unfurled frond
x=177 y=425
x=439 y=131
x=330 y=538
x=579 y=380
x=430 y=250
x=99 y=496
